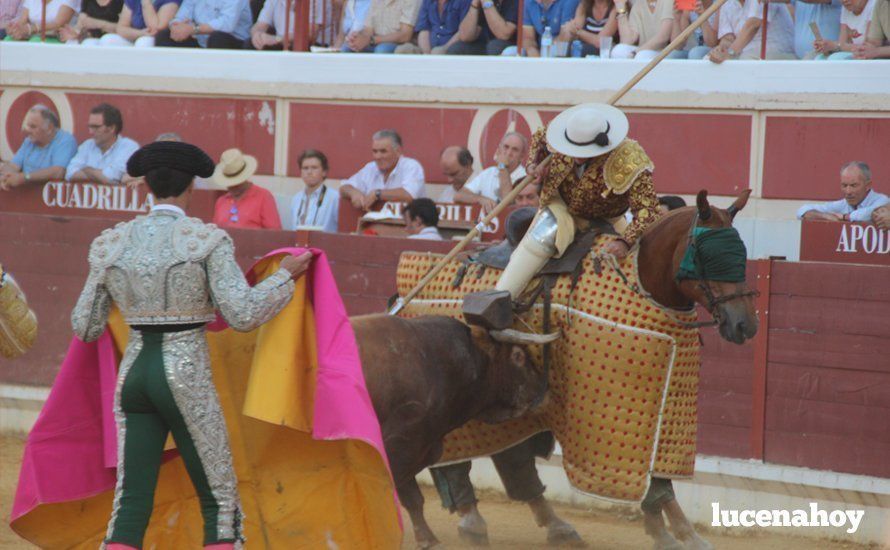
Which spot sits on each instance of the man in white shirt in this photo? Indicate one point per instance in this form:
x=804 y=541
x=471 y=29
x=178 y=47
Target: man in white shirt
x=457 y=167
x=421 y=219
x=389 y=177
x=859 y=201
x=315 y=207
x=102 y=158
x=740 y=30
x=495 y=182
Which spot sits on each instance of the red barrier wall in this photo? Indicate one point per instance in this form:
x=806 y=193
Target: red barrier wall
x=827 y=368
x=691 y=150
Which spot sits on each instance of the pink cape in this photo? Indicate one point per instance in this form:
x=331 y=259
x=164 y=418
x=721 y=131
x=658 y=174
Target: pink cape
x=71 y=452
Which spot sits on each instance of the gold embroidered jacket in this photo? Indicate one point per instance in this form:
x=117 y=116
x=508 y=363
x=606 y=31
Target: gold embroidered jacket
x=18 y=325
x=611 y=184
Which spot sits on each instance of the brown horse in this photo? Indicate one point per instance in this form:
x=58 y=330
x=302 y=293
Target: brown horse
x=661 y=250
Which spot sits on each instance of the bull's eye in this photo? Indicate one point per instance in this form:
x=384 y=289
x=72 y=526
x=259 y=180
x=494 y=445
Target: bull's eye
x=517 y=356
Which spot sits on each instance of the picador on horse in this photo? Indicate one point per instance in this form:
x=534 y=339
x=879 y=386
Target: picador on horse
x=594 y=177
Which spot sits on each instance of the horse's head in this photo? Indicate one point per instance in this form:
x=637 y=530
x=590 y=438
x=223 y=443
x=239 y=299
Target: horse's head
x=709 y=267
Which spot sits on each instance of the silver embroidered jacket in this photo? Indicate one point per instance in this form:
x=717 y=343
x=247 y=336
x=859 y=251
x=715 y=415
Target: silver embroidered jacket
x=165 y=268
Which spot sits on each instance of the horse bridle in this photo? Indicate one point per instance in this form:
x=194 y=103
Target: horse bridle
x=705 y=287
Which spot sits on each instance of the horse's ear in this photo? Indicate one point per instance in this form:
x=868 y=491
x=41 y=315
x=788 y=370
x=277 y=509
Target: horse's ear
x=704 y=209
x=739 y=203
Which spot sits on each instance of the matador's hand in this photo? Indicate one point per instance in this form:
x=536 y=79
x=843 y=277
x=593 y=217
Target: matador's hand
x=297 y=265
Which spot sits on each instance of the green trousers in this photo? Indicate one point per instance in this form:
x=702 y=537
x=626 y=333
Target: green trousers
x=148 y=411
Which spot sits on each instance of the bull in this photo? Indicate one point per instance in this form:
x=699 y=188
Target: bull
x=430 y=375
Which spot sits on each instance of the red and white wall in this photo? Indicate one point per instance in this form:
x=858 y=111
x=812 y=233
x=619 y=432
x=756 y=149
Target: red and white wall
x=781 y=129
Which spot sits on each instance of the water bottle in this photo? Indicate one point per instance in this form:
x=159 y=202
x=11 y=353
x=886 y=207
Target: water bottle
x=547 y=43
x=576 y=48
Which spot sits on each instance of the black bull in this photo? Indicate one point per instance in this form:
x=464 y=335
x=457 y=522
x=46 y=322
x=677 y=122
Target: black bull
x=430 y=375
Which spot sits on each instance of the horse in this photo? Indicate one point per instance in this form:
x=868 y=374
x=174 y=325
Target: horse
x=662 y=249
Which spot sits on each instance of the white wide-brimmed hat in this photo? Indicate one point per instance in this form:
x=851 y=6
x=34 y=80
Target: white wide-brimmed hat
x=587 y=130
x=234 y=168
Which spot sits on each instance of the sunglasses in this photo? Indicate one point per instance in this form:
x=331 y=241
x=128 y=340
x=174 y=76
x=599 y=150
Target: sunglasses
x=95 y=126
x=233 y=214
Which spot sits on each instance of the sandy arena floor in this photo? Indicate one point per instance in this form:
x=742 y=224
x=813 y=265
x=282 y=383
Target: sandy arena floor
x=510 y=524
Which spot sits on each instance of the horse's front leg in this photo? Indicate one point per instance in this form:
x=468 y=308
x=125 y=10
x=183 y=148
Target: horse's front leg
x=683 y=529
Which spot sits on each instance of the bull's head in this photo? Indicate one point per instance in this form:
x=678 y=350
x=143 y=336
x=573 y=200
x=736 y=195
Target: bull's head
x=516 y=383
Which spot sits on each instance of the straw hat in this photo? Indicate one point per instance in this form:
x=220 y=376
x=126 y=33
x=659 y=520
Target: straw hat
x=234 y=168
x=587 y=130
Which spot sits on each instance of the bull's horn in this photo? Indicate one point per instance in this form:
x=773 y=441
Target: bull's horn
x=513 y=336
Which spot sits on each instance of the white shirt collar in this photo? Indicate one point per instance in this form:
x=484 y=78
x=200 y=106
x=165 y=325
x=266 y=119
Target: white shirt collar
x=168 y=208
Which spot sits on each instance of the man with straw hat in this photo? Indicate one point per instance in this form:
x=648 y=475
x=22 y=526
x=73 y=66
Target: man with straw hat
x=595 y=172
x=245 y=205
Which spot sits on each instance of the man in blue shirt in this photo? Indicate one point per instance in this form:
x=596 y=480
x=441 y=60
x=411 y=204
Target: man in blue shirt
x=437 y=25
x=540 y=14
x=825 y=13
x=488 y=28
x=859 y=201
x=221 y=24
x=43 y=155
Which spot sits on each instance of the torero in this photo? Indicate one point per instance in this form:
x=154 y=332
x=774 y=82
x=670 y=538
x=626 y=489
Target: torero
x=169 y=274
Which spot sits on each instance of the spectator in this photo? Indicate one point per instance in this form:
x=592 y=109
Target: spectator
x=268 y=31
x=881 y=217
x=826 y=15
x=877 y=41
x=666 y=203
x=352 y=19
x=389 y=177
x=488 y=28
x=422 y=220
x=317 y=205
x=457 y=166
x=140 y=21
x=494 y=183
x=27 y=26
x=245 y=205
x=168 y=136
x=740 y=27
x=221 y=24
x=530 y=196
x=9 y=12
x=859 y=200
x=595 y=19
x=645 y=30
x=96 y=18
x=855 y=18
x=388 y=24
x=437 y=24
x=102 y=158
x=704 y=39
x=44 y=154
x=136 y=181
x=541 y=14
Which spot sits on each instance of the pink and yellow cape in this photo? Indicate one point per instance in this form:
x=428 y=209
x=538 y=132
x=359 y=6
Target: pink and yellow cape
x=306 y=443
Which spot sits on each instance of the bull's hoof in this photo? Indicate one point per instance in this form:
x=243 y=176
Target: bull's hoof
x=424 y=544
x=560 y=533
x=471 y=538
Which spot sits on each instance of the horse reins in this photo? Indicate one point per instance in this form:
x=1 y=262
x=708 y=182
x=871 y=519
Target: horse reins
x=713 y=299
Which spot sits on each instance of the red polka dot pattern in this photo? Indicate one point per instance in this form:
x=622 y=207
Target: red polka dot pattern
x=607 y=378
